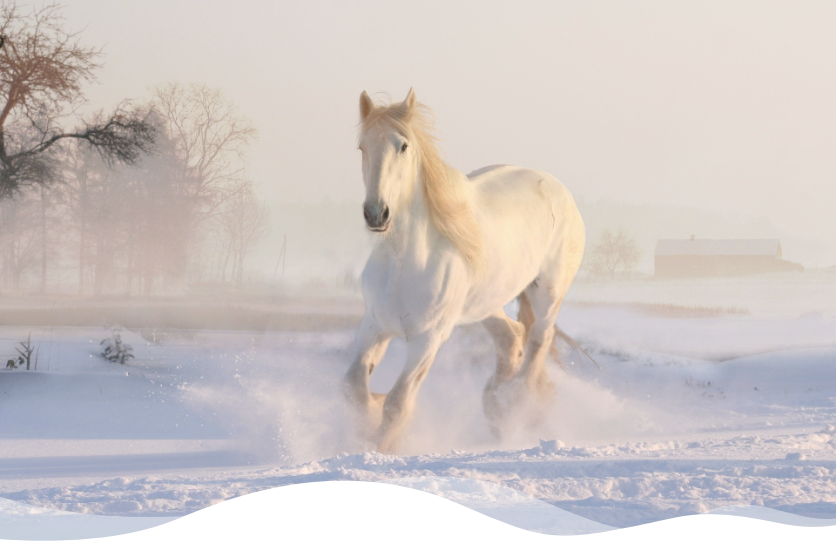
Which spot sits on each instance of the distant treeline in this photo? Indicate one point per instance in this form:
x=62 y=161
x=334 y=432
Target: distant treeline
x=184 y=214
x=149 y=197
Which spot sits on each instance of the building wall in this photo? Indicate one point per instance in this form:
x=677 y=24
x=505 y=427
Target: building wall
x=720 y=266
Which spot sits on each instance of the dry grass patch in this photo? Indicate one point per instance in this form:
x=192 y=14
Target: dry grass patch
x=663 y=310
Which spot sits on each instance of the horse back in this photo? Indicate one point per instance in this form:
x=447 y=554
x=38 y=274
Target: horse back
x=483 y=170
x=530 y=223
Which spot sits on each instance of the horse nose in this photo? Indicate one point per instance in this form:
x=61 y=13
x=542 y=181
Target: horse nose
x=376 y=217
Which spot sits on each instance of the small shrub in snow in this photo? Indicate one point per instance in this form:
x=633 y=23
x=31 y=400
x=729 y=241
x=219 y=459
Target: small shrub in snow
x=25 y=350
x=114 y=350
x=13 y=363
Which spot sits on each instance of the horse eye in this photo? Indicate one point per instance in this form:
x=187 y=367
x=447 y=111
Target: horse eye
x=403 y=148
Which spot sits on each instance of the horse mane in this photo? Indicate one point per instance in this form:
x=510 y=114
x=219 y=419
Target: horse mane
x=448 y=194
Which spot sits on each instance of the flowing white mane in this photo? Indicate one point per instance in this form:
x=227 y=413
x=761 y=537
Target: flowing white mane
x=447 y=191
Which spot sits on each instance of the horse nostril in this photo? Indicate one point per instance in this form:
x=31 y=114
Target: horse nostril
x=385 y=216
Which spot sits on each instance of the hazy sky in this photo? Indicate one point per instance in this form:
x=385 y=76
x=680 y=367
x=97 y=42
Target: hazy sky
x=703 y=104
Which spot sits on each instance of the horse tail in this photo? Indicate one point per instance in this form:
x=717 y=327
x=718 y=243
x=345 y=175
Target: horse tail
x=572 y=343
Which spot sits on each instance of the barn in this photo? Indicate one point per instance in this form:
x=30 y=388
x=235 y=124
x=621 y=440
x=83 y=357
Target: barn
x=719 y=258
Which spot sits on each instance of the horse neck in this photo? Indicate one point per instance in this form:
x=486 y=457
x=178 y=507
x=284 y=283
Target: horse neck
x=413 y=234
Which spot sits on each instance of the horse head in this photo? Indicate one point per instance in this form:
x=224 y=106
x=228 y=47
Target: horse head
x=390 y=159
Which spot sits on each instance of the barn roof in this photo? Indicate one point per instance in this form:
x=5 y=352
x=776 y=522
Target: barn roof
x=706 y=247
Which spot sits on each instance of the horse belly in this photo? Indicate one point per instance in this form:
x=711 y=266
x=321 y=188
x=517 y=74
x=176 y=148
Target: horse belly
x=505 y=284
x=519 y=222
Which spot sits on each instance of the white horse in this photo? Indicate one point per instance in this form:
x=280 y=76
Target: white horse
x=454 y=249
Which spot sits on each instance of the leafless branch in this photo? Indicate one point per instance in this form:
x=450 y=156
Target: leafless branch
x=43 y=69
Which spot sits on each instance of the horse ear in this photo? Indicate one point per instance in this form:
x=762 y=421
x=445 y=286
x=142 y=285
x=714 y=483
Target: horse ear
x=366 y=105
x=409 y=102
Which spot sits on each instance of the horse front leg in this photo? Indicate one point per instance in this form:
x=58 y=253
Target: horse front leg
x=400 y=402
x=370 y=347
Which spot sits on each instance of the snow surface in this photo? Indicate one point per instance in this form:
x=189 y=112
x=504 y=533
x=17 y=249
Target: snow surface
x=684 y=416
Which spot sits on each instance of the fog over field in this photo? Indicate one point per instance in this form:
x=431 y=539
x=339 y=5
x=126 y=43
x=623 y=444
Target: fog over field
x=702 y=106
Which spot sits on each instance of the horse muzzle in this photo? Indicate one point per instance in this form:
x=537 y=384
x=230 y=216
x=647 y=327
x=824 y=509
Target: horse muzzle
x=377 y=217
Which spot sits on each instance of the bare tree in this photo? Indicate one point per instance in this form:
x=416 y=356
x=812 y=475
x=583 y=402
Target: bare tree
x=209 y=138
x=42 y=70
x=246 y=222
x=127 y=220
x=18 y=239
x=81 y=173
x=613 y=252
x=47 y=201
x=154 y=211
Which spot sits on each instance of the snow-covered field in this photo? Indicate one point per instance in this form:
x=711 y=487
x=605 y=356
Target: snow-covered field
x=685 y=414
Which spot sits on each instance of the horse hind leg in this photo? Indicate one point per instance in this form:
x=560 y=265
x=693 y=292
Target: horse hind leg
x=525 y=316
x=539 y=306
x=509 y=339
x=543 y=305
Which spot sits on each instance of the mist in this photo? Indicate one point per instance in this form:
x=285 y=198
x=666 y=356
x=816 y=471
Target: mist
x=700 y=106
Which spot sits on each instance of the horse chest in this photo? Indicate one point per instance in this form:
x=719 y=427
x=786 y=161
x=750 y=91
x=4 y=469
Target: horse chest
x=406 y=299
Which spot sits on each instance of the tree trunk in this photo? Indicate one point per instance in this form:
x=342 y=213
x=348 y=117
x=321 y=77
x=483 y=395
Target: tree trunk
x=240 y=269
x=226 y=264
x=130 y=270
x=99 y=270
x=82 y=240
x=43 y=239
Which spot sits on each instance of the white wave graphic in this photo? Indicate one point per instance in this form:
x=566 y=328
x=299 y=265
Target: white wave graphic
x=344 y=518
x=21 y=522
